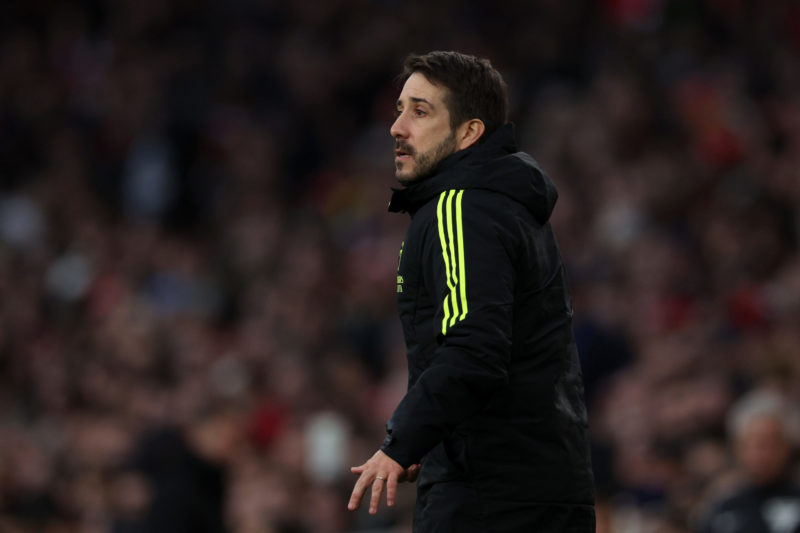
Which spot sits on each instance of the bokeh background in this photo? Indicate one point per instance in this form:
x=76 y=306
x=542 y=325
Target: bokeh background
x=197 y=323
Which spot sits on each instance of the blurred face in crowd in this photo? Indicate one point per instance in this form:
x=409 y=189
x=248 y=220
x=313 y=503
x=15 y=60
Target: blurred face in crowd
x=422 y=131
x=763 y=449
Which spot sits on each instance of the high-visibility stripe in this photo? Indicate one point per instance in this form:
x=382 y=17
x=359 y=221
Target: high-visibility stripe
x=440 y=219
x=462 y=265
x=451 y=238
x=453 y=263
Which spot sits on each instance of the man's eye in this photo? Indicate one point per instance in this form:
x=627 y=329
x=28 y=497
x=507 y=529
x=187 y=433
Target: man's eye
x=419 y=112
x=397 y=113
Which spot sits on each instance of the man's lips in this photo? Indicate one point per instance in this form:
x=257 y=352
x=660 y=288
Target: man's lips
x=403 y=153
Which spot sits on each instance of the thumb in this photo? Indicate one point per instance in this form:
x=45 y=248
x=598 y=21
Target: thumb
x=412 y=472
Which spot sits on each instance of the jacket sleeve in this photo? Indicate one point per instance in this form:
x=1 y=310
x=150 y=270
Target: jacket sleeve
x=469 y=270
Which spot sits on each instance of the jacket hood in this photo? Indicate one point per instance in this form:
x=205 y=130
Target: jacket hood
x=496 y=165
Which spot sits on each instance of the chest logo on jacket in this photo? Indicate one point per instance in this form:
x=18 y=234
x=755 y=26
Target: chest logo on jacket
x=399 y=277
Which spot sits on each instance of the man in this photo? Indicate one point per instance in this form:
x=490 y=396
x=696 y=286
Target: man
x=768 y=501
x=494 y=410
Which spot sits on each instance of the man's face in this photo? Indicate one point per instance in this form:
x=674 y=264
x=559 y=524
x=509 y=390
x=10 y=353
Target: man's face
x=422 y=132
x=763 y=449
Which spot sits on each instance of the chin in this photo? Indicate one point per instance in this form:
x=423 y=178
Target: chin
x=405 y=176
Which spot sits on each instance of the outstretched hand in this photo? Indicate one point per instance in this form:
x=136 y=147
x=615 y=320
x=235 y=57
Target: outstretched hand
x=378 y=471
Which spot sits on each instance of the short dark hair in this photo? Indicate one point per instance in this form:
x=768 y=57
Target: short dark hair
x=474 y=88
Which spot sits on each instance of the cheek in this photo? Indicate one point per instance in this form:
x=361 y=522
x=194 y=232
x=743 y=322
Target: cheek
x=432 y=136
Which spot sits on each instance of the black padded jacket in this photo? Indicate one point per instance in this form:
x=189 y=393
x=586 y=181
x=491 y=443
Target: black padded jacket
x=495 y=393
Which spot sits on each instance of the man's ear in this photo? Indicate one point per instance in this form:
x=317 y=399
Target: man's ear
x=469 y=132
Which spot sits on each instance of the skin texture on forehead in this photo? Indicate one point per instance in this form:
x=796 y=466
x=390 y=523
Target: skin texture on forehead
x=419 y=89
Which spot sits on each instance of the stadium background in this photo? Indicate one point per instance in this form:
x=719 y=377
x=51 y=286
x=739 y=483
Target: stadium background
x=193 y=233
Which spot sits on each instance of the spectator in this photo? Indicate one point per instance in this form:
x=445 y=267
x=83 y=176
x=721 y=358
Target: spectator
x=764 y=434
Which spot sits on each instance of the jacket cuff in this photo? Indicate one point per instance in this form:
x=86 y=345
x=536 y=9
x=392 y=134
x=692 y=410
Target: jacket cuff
x=394 y=449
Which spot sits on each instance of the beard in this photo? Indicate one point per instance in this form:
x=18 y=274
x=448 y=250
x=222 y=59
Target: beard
x=425 y=163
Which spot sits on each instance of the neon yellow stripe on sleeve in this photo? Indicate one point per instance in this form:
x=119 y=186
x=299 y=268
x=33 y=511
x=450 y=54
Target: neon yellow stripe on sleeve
x=462 y=265
x=451 y=238
x=440 y=219
x=451 y=247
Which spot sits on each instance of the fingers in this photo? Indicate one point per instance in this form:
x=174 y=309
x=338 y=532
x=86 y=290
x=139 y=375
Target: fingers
x=358 y=493
x=377 y=489
x=383 y=474
x=391 y=489
x=411 y=473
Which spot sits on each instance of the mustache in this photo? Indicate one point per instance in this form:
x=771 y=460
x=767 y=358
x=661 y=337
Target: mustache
x=404 y=147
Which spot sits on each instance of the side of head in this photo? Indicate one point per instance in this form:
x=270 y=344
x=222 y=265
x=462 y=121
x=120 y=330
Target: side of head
x=474 y=89
x=763 y=429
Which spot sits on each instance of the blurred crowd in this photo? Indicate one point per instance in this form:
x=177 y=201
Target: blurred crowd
x=197 y=269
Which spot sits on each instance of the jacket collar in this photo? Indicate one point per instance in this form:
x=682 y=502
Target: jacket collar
x=445 y=175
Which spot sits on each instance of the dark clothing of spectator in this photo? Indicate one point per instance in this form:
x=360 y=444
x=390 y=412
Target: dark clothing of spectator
x=188 y=490
x=494 y=409
x=771 y=509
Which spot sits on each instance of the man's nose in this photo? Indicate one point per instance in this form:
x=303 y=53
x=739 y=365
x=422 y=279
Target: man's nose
x=398 y=129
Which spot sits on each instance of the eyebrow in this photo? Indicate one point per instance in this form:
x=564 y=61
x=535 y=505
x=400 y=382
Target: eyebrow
x=417 y=100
